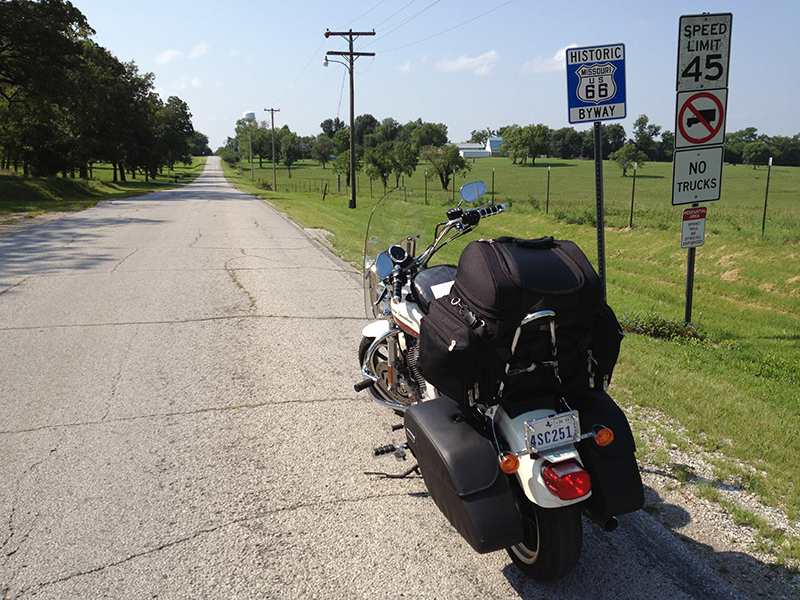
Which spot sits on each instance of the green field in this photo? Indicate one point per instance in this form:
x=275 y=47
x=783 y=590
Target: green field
x=29 y=196
x=737 y=391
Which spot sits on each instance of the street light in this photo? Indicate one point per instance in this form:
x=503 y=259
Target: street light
x=250 y=116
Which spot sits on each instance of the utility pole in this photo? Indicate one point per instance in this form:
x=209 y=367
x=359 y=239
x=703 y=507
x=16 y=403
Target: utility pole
x=351 y=56
x=272 y=112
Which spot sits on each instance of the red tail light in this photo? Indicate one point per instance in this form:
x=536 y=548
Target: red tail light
x=567 y=480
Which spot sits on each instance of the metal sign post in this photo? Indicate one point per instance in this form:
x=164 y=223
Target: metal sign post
x=596 y=92
x=704 y=44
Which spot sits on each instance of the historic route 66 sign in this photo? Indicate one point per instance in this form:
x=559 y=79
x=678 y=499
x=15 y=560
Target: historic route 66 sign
x=596 y=83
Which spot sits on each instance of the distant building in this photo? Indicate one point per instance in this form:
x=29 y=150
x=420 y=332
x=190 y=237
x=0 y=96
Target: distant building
x=491 y=148
x=473 y=151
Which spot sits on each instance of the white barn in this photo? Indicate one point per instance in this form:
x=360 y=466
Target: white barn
x=491 y=148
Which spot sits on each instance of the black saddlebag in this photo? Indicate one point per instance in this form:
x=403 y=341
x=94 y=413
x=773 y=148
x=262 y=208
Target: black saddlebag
x=462 y=474
x=616 y=483
x=499 y=282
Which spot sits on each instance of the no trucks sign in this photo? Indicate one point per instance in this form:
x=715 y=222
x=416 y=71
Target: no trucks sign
x=596 y=83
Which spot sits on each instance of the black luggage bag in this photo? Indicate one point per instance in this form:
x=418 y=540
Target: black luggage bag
x=616 y=482
x=498 y=283
x=462 y=474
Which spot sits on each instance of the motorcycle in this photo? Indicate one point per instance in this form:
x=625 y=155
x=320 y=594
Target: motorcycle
x=499 y=368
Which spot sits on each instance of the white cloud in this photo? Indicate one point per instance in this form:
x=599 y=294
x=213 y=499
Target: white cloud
x=199 y=50
x=166 y=56
x=480 y=65
x=185 y=83
x=541 y=64
x=406 y=68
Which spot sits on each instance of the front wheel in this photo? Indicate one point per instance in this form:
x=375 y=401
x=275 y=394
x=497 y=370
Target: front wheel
x=403 y=391
x=553 y=541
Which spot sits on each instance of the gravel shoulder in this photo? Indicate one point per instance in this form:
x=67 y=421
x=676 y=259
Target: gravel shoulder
x=706 y=528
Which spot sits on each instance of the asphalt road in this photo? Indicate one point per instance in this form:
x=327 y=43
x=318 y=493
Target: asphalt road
x=177 y=420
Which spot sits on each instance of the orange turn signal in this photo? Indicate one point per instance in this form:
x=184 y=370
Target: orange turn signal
x=604 y=437
x=509 y=464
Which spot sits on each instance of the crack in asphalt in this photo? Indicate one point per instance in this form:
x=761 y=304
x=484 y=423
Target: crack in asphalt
x=119 y=264
x=195 y=320
x=184 y=413
x=13 y=285
x=35 y=588
x=14 y=539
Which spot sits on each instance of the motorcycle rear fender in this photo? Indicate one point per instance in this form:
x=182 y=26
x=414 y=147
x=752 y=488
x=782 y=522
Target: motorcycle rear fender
x=529 y=474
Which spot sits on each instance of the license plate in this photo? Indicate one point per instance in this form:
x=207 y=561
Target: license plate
x=552 y=432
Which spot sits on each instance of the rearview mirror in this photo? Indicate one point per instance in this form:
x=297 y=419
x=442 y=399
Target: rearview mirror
x=383 y=265
x=470 y=192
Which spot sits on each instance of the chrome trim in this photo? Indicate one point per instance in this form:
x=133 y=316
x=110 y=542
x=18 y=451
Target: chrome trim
x=374 y=390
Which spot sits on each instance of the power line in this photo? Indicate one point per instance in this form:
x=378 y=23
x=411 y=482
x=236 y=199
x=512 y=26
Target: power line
x=430 y=37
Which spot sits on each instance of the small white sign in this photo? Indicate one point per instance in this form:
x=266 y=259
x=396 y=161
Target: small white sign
x=693 y=233
x=696 y=175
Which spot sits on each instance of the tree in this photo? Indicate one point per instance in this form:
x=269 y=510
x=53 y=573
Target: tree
x=756 y=153
x=290 y=149
x=177 y=130
x=523 y=142
x=626 y=156
x=364 y=125
x=331 y=126
x=425 y=134
x=666 y=146
x=537 y=138
x=379 y=162
x=341 y=141
x=613 y=138
x=322 y=150
x=513 y=143
x=198 y=144
x=735 y=143
x=39 y=42
x=388 y=130
x=443 y=163
x=481 y=136
x=566 y=142
x=645 y=135
x=786 y=150
x=406 y=158
x=341 y=166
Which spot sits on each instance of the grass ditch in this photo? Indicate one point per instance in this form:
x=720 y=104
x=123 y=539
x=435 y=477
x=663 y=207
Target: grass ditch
x=27 y=197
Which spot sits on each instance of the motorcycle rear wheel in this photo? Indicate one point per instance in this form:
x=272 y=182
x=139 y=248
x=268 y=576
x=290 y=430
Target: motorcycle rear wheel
x=552 y=544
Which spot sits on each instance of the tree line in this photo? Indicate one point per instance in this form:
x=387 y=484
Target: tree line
x=67 y=103
x=384 y=149
x=648 y=143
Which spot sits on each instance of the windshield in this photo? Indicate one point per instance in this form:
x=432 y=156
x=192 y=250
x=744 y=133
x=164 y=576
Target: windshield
x=398 y=218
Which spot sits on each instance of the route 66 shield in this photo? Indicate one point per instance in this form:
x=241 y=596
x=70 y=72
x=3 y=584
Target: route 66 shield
x=596 y=82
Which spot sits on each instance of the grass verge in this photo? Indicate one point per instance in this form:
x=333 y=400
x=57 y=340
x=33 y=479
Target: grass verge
x=22 y=197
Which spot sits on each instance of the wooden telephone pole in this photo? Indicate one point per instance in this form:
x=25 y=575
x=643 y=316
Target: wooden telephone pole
x=351 y=58
x=272 y=112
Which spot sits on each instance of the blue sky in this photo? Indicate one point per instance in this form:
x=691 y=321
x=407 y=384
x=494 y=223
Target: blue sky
x=466 y=63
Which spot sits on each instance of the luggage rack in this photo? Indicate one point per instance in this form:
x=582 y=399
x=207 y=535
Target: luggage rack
x=530 y=318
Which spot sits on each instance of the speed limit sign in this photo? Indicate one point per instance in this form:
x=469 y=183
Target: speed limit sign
x=704 y=51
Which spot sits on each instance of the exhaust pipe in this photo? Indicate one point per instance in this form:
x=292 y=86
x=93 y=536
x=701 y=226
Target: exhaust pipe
x=609 y=524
